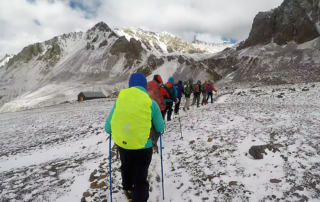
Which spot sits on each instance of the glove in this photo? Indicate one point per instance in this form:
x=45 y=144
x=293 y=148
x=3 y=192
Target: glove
x=177 y=101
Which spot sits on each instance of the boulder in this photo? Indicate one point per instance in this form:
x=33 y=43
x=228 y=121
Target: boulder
x=92 y=177
x=257 y=151
x=86 y=194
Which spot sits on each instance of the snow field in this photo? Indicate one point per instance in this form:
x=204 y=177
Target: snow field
x=48 y=154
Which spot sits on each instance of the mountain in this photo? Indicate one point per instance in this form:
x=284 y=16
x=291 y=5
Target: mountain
x=293 y=20
x=282 y=47
x=213 y=47
x=101 y=59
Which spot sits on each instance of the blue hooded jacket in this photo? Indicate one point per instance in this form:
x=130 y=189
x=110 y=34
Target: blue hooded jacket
x=179 y=88
x=175 y=92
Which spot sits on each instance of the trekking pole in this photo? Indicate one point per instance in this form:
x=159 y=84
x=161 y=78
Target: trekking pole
x=110 y=167
x=180 y=128
x=161 y=166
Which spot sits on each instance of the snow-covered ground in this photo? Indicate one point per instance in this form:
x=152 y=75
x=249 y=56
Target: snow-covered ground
x=48 y=154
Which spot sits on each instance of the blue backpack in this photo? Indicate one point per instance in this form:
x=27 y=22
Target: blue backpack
x=210 y=89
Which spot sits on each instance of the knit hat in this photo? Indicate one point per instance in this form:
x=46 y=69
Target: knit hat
x=138 y=79
x=171 y=79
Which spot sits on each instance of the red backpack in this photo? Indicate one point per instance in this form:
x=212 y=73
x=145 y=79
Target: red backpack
x=153 y=89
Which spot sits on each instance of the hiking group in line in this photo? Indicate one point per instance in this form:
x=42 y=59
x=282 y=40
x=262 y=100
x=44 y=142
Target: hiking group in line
x=136 y=122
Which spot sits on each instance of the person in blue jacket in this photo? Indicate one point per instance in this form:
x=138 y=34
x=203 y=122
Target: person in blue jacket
x=180 y=90
x=130 y=122
x=169 y=102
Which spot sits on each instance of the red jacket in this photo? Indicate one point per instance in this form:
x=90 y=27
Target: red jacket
x=212 y=88
x=207 y=86
x=164 y=93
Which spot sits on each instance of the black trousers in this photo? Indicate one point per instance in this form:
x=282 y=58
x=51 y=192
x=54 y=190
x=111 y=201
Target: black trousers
x=209 y=94
x=177 y=106
x=197 y=98
x=169 y=109
x=134 y=172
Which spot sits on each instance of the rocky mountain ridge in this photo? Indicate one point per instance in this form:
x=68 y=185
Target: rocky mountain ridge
x=293 y=20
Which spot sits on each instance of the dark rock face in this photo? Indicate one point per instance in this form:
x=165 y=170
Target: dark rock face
x=152 y=64
x=88 y=46
x=95 y=38
x=26 y=54
x=257 y=151
x=293 y=20
x=181 y=60
x=101 y=26
x=104 y=43
x=131 y=49
x=112 y=33
x=169 y=49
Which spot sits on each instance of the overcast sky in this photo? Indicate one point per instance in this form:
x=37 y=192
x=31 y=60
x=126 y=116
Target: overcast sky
x=24 y=22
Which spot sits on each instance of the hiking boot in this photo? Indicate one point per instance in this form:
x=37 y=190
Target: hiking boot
x=184 y=109
x=128 y=195
x=198 y=106
x=188 y=108
x=176 y=114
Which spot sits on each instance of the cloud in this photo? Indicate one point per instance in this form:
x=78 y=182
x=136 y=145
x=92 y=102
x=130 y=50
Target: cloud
x=23 y=22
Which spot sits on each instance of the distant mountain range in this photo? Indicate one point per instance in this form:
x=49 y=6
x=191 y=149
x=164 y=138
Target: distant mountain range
x=102 y=58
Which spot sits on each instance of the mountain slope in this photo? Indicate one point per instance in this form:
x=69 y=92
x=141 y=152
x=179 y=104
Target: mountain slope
x=57 y=70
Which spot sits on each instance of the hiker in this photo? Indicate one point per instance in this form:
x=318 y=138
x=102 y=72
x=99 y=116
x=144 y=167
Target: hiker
x=129 y=122
x=163 y=93
x=180 y=90
x=211 y=88
x=196 y=93
x=187 y=93
x=169 y=102
x=204 y=91
x=159 y=92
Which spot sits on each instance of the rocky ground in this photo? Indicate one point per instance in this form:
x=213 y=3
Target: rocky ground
x=61 y=153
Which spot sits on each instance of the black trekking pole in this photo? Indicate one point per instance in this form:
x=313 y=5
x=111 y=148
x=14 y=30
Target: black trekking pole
x=180 y=128
x=110 y=167
x=161 y=166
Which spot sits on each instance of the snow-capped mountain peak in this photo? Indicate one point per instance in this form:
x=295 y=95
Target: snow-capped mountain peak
x=212 y=47
x=5 y=60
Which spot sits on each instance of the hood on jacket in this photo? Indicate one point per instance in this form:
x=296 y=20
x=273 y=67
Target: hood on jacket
x=191 y=81
x=180 y=82
x=171 y=79
x=138 y=79
x=157 y=78
x=199 y=82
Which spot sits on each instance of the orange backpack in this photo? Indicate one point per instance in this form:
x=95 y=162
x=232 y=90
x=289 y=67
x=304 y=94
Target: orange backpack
x=196 y=88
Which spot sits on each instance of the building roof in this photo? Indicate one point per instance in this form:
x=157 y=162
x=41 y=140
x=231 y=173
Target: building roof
x=93 y=94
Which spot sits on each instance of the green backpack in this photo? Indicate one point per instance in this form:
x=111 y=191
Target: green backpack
x=186 y=87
